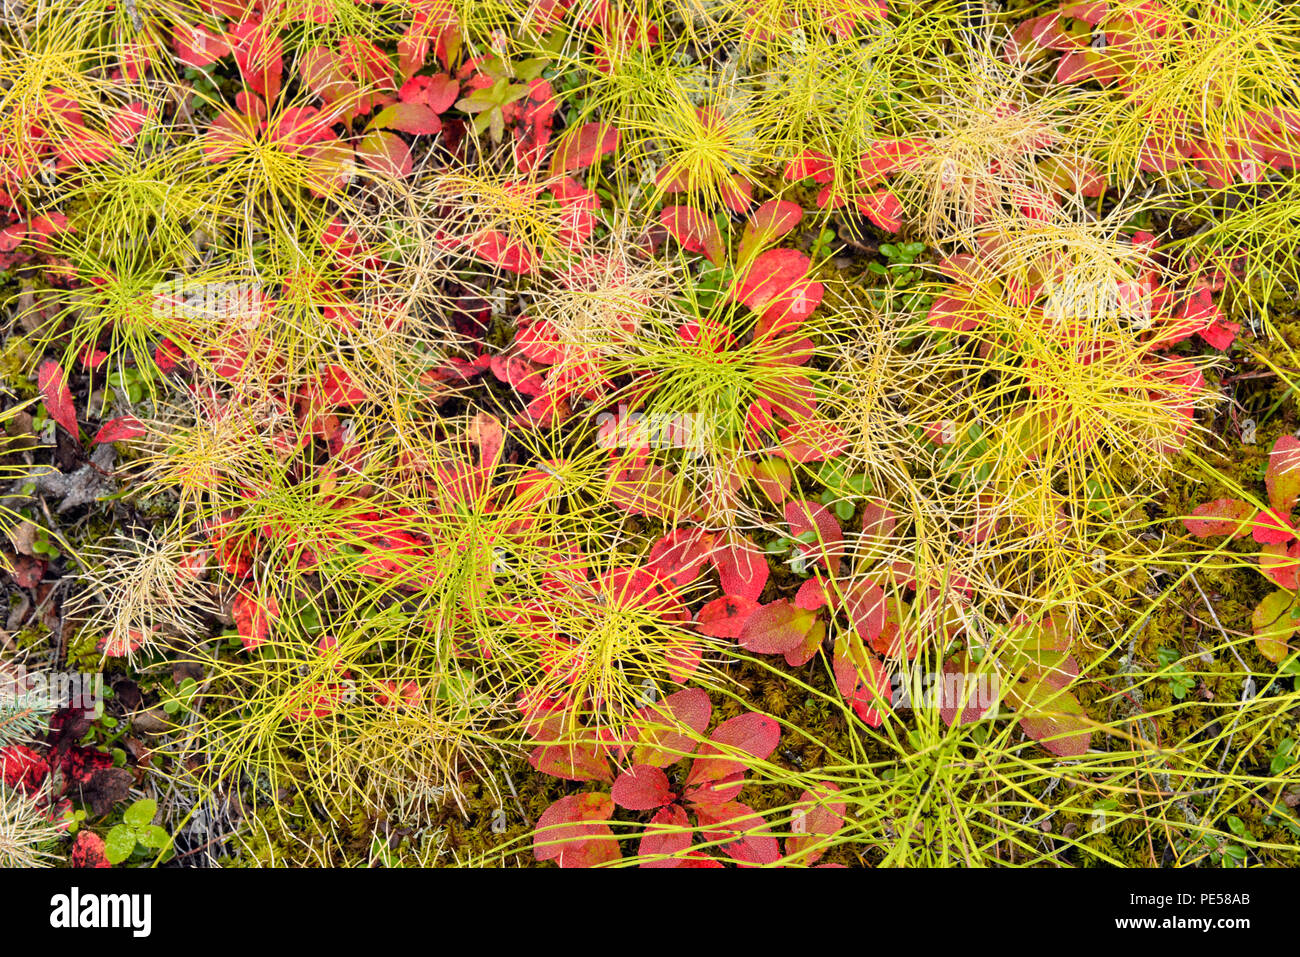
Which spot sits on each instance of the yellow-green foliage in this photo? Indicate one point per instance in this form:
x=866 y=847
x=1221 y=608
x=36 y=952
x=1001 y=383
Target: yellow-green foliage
x=1204 y=73
x=421 y=582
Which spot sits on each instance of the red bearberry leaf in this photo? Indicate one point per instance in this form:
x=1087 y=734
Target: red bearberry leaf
x=1274 y=625
x=755 y=843
x=667 y=730
x=878 y=521
x=582 y=147
x=195 y=45
x=742 y=567
x=23 y=768
x=666 y=838
x=1223 y=516
x=812 y=440
x=696 y=231
x=1280 y=563
x=1271 y=528
x=53 y=383
x=960 y=692
x=776 y=287
x=882 y=208
x=886 y=157
x=811 y=165
x=572 y=762
x=642 y=787
x=814 y=818
x=769 y=223
x=570 y=833
x=253 y=619
x=716 y=777
x=776 y=628
x=500 y=250
x=88 y=851
x=417 y=118
x=677 y=559
x=339 y=388
x=121 y=429
x=806 y=517
x=386 y=153
x=1054 y=718
x=725 y=617
x=436 y=92
x=864 y=604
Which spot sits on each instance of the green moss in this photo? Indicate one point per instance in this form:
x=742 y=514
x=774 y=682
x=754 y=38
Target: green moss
x=298 y=835
x=16 y=367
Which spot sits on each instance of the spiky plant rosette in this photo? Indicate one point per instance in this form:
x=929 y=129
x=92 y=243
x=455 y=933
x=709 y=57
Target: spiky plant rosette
x=499 y=381
x=356 y=716
x=58 y=106
x=941 y=425
x=447 y=548
x=143 y=591
x=1196 y=90
x=1239 y=242
x=151 y=191
x=27 y=835
x=1002 y=144
x=1074 y=322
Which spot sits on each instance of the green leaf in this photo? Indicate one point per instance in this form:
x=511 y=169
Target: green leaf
x=154 y=836
x=140 y=814
x=119 y=844
x=530 y=69
x=1273 y=625
x=830 y=472
x=474 y=103
x=1282 y=476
